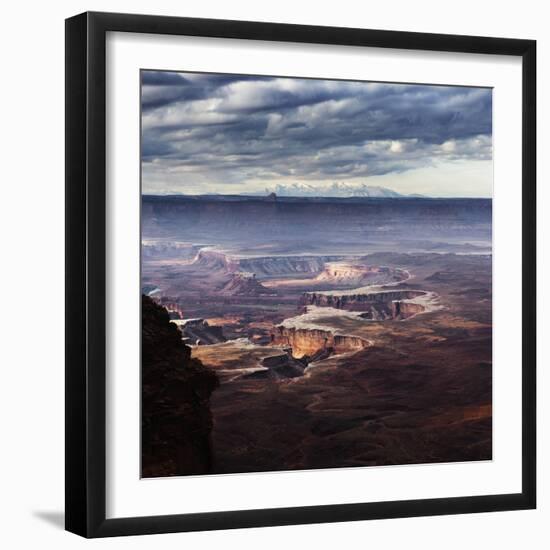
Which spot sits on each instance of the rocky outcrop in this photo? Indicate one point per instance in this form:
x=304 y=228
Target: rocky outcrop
x=404 y=310
x=197 y=332
x=354 y=302
x=176 y=419
x=244 y=284
x=310 y=342
x=280 y=367
x=214 y=260
x=280 y=266
x=377 y=306
x=346 y=273
x=285 y=365
x=262 y=267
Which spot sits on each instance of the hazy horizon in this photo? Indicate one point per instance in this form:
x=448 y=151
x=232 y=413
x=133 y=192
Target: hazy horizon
x=260 y=195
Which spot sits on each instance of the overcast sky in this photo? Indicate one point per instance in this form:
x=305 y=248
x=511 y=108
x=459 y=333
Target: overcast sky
x=243 y=134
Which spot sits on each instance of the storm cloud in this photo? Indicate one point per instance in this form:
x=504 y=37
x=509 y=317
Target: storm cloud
x=231 y=133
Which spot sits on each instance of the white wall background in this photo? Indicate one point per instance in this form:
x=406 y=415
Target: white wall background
x=32 y=250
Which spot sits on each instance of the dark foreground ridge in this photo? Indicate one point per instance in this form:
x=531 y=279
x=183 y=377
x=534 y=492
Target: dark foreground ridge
x=176 y=389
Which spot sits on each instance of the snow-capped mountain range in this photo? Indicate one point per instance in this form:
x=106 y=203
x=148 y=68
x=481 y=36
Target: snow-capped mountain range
x=337 y=189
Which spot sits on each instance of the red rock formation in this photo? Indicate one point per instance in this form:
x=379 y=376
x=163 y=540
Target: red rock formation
x=404 y=310
x=244 y=284
x=274 y=266
x=377 y=306
x=308 y=342
x=345 y=273
x=215 y=261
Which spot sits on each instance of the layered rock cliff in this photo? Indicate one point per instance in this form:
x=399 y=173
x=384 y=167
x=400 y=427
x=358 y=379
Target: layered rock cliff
x=377 y=306
x=346 y=274
x=406 y=309
x=214 y=260
x=309 y=342
x=244 y=284
x=176 y=417
x=348 y=301
x=277 y=266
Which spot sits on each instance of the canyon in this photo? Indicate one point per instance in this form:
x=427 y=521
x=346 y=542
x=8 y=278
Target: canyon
x=344 y=329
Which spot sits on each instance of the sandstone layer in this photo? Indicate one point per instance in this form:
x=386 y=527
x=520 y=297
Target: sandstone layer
x=308 y=342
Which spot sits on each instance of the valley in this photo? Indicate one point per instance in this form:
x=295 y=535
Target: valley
x=360 y=341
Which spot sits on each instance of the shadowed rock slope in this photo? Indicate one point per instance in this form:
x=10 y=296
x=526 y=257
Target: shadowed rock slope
x=176 y=389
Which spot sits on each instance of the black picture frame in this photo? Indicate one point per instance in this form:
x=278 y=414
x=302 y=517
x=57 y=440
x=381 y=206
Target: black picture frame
x=86 y=274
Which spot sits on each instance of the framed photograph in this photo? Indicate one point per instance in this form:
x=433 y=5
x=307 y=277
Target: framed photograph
x=300 y=274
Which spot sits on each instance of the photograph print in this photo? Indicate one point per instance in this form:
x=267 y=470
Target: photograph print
x=316 y=273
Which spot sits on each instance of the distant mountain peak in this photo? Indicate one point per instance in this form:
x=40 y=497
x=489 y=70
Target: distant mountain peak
x=336 y=189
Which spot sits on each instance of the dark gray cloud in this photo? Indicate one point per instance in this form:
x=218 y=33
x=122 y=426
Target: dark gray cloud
x=230 y=129
x=160 y=88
